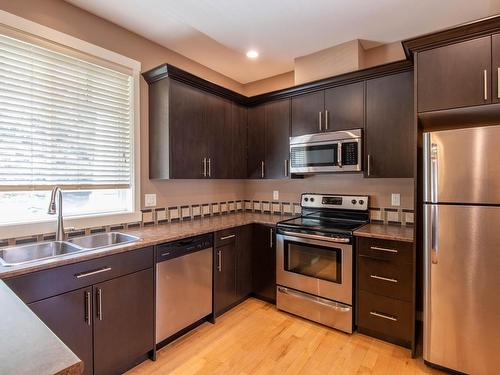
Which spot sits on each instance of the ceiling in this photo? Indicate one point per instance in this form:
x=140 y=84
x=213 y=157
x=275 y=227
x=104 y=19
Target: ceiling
x=217 y=33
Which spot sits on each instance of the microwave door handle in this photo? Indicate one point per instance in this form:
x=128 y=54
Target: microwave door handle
x=339 y=154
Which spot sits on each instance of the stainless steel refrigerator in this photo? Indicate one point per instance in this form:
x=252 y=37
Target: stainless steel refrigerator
x=462 y=249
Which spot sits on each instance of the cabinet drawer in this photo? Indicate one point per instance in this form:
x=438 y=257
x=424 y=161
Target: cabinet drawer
x=396 y=252
x=386 y=318
x=226 y=236
x=385 y=278
x=43 y=284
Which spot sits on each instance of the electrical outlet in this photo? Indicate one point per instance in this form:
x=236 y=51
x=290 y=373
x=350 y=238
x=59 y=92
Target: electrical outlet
x=149 y=200
x=276 y=195
x=396 y=199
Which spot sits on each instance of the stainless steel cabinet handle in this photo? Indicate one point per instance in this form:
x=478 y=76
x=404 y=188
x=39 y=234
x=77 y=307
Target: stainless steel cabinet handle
x=498 y=83
x=434 y=234
x=271 y=241
x=219 y=260
x=485 y=79
x=369 y=165
x=99 y=303
x=319 y=121
x=227 y=237
x=434 y=172
x=88 y=308
x=383 y=278
x=339 y=155
x=286 y=168
x=94 y=272
x=262 y=169
x=209 y=167
x=204 y=167
x=384 y=249
x=383 y=316
x=326 y=119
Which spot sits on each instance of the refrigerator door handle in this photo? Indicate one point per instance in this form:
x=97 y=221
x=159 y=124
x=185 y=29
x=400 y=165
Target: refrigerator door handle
x=434 y=172
x=434 y=234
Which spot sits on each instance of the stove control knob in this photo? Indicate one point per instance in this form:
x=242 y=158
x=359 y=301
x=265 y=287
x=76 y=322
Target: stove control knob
x=306 y=199
x=354 y=201
x=312 y=199
x=361 y=201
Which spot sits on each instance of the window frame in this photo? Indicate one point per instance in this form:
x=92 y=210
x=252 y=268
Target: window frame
x=38 y=31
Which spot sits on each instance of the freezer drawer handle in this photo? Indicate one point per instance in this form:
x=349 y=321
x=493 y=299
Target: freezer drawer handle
x=384 y=249
x=91 y=273
x=383 y=316
x=383 y=278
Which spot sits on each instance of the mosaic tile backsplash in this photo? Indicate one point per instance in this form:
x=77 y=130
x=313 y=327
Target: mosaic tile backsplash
x=162 y=215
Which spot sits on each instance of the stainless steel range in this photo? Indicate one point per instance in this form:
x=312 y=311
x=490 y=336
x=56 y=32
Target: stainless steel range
x=314 y=259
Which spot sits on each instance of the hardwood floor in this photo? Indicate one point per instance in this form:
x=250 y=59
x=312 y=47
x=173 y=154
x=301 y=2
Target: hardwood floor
x=256 y=338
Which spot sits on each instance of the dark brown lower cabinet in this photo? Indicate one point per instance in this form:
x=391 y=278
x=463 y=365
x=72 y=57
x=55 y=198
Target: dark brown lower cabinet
x=264 y=262
x=244 y=261
x=69 y=316
x=225 y=277
x=123 y=324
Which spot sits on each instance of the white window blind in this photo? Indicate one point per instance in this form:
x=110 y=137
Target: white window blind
x=63 y=120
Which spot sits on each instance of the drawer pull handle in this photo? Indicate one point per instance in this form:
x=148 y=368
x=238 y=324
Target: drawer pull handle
x=94 y=272
x=384 y=249
x=383 y=278
x=227 y=237
x=383 y=316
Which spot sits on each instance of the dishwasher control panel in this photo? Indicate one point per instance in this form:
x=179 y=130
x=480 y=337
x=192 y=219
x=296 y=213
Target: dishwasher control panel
x=182 y=247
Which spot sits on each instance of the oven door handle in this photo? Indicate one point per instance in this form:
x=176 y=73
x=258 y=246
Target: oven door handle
x=317 y=237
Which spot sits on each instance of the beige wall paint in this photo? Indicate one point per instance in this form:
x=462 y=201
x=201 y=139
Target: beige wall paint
x=273 y=83
x=383 y=54
x=379 y=189
x=71 y=20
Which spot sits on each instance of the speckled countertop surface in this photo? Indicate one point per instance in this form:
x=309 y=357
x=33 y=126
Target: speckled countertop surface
x=149 y=236
x=28 y=346
x=386 y=232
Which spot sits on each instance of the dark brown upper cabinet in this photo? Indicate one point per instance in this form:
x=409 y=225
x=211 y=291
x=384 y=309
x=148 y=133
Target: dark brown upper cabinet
x=277 y=139
x=334 y=109
x=345 y=107
x=495 y=68
x=239 y=118
x=256 y=141
x=268 y=140
x=455 y=75
x=389 y=132
x=307 y=111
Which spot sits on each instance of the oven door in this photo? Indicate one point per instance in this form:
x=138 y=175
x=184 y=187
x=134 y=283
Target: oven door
x=319 y=267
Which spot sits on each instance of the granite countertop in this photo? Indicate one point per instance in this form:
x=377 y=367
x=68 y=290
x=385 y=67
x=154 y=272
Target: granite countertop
x=149 y=236
x=28 y=345
x=386 y=232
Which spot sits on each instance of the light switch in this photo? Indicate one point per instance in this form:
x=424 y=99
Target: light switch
x=149 y=200
x=276 y=195
x=396 y=199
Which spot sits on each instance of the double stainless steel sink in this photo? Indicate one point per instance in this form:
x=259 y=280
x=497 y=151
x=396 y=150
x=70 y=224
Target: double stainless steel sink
x=18 y=255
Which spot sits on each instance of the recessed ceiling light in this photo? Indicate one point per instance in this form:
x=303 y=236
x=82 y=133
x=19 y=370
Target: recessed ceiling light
x=252 y=54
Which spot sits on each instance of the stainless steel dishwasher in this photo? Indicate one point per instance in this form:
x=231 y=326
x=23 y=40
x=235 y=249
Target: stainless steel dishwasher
x=183 y=284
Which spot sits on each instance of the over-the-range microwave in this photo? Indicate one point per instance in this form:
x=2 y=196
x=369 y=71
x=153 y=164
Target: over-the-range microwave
x=339 y=151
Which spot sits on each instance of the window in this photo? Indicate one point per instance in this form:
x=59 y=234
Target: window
x=66 y=119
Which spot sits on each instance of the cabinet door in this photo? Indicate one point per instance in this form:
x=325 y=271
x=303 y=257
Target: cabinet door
x=277 y=139
x=389 y=126
x=344 y=107
x=239 y=135
x=306 y=112
x=256 y=141
x=264 y=262
x=69 y=316
x=225 y=277
x=123 y=321
x=219 y=136
x=188 y=137
x=244 y=261
x=495 y=67
x=456 y=75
